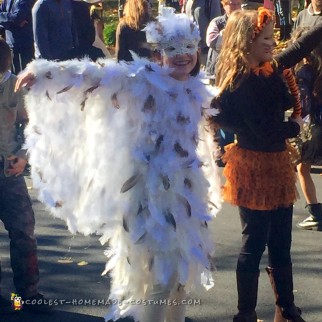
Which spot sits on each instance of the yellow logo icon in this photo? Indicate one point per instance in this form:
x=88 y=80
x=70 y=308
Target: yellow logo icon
x=17 y=301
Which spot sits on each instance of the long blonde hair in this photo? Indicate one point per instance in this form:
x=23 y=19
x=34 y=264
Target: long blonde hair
x=136 y=13
x=233 y=67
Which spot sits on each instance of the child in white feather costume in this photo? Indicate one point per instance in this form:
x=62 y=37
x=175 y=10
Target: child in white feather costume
x=122 y=150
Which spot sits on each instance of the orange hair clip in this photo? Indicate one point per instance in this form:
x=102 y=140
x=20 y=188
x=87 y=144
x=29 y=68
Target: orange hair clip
x=264 y=18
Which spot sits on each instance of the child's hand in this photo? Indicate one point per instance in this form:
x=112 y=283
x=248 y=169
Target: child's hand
x=298 y=120
x=26 y=79
x=16 y=165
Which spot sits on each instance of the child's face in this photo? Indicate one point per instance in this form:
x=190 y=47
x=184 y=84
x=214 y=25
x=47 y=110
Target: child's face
x=261 y=49
x=182 y=64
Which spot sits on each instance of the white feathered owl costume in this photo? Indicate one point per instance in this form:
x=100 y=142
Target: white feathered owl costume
x=121 y=150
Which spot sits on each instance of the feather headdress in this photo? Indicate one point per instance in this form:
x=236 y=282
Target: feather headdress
x=173 y=33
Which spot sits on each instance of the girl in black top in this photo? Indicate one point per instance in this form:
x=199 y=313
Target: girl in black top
x=129 y=34
x=260 y=175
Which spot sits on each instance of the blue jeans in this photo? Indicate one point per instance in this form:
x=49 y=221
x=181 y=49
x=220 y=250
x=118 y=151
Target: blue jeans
x=18 y=218
x=283 y=12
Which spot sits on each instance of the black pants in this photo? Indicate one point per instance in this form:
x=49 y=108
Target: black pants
x=18 y=217
x=22 y=57
x=260 y=228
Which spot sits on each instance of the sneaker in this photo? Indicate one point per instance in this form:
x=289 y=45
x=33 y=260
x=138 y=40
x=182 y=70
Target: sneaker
x=36 y=304
x=310 y=223
x=5 y=306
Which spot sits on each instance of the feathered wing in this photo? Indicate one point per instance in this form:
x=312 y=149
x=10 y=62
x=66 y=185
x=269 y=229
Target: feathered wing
x=122 y=151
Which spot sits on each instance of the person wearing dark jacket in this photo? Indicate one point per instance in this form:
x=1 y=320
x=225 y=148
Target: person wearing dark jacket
x=202 y=12
x=85 y=31
x=54 y=32
x=16 y=19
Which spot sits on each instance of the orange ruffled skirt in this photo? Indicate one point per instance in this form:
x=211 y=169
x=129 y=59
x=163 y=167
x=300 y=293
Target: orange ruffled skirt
x=259 y=180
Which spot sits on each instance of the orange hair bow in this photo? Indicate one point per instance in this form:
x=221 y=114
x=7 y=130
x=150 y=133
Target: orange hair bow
x=264 y=18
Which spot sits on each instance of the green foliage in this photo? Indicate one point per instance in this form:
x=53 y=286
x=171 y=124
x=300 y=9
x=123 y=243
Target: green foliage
x=110 y=30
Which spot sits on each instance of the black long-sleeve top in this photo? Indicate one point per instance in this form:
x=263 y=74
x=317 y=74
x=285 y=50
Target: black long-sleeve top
x=255 y=110
x=129 y=39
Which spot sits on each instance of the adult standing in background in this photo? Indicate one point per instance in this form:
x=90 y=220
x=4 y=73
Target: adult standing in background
x=310 y=16
x=15 y=17
x=202 y=12
x=97 y=19
x=85 y=31
x=283 y=9
x=54 y=33
x=129 y=34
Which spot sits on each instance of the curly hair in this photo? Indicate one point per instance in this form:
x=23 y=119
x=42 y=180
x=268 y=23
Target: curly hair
x=233 y=67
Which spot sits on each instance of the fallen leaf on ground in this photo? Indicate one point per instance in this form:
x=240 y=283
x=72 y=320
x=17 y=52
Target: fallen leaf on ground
x=65 y=260
x=82 y=263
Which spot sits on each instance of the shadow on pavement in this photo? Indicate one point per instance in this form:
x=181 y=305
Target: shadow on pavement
x=316 y=170
x=54 y=316
x=57 y=316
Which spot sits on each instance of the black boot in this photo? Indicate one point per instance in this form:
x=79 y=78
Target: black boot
x=282 y=283
x=247 y=287
x=314 y=221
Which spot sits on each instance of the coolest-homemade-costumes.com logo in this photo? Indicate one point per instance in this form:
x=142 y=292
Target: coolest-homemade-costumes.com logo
x=17 y=302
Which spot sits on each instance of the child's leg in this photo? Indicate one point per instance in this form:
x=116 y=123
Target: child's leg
x=254 y=231
x=164 y=300
x=176 y=313
x=156 y=310
x=280 y=270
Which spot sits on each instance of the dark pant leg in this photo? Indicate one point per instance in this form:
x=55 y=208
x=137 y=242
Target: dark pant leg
x=280 y=270
x=21 y=58
x=284 y=14
x=18 y=217
x=280 y=238
x=254 y=237
x=254 y=230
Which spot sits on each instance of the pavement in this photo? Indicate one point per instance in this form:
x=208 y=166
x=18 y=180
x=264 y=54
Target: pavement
x=71 y=267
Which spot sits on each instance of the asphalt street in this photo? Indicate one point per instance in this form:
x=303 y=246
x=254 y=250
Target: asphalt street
x=71 y=267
